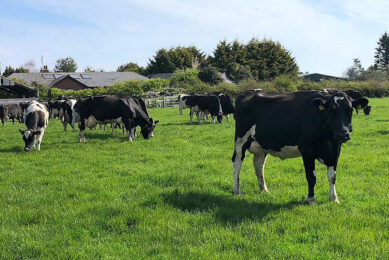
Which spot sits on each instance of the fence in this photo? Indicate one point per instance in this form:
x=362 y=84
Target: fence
x=170 y=101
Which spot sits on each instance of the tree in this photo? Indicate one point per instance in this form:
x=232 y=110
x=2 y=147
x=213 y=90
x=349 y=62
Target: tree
x=236 y=72
x=382 y=52
x=132 y=67
x=266 y=59
x=67 y=64
x=356 y=71
x=210 y=75
x=168 y=61
x=9 y=70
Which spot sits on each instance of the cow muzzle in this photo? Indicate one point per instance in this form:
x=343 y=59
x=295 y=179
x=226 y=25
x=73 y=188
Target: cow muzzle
x=27 y=149
x=342 y=138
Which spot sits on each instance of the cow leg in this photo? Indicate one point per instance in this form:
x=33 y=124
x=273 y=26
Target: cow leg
x=82 y=130
x=198 y=115
x=127 y=125
x=13 y=121
x=65 y=125
x=213 y=119
x=237 y=160
x=259 y=165
x=310 y=174
x=191 y=115
x=133 y=130
x=228 y=118
x=331 y=174
x=39 y=140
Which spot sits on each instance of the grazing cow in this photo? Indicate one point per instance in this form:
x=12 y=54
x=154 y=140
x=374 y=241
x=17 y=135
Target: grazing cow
x=114 y=109
x=367 y=110
x=69 y=115
x=227 y=105
x=311 y=124
x=36 y=120
x=11 y=111
x=353 y=95
x=207 y=104
x=55 y=109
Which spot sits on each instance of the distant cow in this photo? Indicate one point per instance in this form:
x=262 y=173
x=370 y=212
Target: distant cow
x=311 y=124
x=68 y=114
x=55 y=109
x=227 y=105
x=11 y=111
x=207 y=104
x=36 y=120
x=114 y=109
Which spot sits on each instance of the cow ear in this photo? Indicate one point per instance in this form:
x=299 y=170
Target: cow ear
x=21 y=131
x=321 y=104
x=37 y=132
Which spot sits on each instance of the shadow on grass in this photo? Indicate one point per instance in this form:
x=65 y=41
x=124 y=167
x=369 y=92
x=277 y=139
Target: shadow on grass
x=379 y=120
x=227 y=209
x=384 y=132
x=14 y=149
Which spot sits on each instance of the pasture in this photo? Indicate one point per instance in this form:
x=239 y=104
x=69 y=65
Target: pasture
x=171 y=196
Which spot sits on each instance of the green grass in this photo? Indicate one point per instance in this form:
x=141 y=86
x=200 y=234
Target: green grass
x=171 y=196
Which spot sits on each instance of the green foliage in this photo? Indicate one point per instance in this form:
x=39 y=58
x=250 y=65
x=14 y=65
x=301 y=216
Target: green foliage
x=210 y=75
x=179 y=58
x=356 y=71
x=67 y=64
x=131 y=66
x=286 y=83
x=184 y=77
x=236 y=72
x=382 y=52
x=266 y=59
x=9 y=70
x=21 y=81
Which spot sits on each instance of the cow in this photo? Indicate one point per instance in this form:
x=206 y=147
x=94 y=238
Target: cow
x=36 y=120
x=310 y=124
x=182 y=105
x=353 y=95
x=114 y=109
x=69 y=115
x=206 y=104
x=227 y=105
x=55 y=109
x=11 y=111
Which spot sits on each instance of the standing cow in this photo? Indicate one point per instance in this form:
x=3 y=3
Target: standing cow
x=311 y=124
x=11 y=111
x=203 y=105
x=36 y=120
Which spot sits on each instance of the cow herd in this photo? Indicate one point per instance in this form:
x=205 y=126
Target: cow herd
x=308 y=124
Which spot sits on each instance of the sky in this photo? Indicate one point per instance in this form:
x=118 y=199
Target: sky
x=323 y=36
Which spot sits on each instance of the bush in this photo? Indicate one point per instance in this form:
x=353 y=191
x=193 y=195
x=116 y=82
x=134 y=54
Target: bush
x=236 y=72
x=184 y=77
x=155 y=85
x=210 y=75
x=286 y=83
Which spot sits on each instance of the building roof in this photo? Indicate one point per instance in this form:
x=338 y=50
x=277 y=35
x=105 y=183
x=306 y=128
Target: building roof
x=17 y=88
x=89 y=79
x=319 y=77
x=54 y=82
x=160 y=76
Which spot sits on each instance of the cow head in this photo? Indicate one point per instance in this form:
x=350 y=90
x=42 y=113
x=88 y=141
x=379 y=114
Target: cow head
x=336 y=111
x=29 y=138
x=367 y=110
x=147 y=129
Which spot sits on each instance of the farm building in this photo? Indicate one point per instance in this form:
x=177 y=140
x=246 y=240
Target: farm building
x=76 y=80
x=317 y=77
x=17 y=89
x=160 y=76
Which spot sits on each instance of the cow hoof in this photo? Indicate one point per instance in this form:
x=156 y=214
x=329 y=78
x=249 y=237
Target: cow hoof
x=312 y=201
x=264 y=190
x=335 y=200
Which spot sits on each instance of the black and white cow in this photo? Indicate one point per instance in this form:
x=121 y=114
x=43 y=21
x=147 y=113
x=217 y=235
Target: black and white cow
x=36 y=120
x=227 y=105
x=55 y=109
x=114 y=109
x=206 y=104
x=69 y=115
x=310 y=124
x=11 y=111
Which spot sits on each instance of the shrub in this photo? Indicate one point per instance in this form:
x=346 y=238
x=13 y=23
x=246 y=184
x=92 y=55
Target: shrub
x=286 y=83
x=155 y=84
x=184 y=77
x=210 y=75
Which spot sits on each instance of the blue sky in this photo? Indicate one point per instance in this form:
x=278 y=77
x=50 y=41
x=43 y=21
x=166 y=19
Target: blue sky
x=323 y=36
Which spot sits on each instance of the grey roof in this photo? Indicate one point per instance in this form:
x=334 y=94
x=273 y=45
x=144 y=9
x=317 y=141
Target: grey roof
x=160 y=75
x=97 y=79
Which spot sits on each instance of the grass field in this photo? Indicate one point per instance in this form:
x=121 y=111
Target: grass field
x=171 y=196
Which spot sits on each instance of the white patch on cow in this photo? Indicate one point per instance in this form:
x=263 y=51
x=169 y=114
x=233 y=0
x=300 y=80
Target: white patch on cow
x=237 y=163
x=259 y=166
x=182 y=104
x=286 y=152
x=331 y=174
x=27 y=133
x=338 y=98
x=314 y=173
